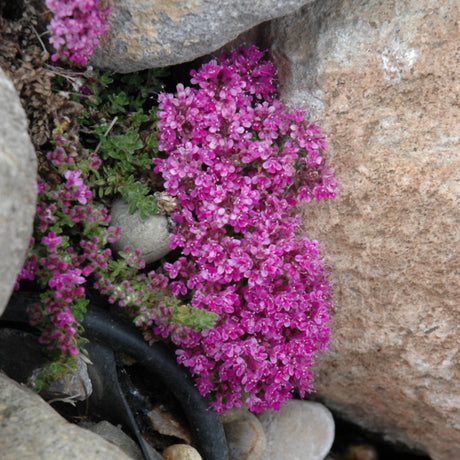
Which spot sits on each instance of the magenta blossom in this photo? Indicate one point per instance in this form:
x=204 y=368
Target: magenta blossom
x=74 y=180
x=238 y=163
x=76 y=28
x=52 y=241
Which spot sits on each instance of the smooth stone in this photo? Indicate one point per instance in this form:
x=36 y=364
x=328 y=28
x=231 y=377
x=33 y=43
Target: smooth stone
x=233 y=414
x=158 y=33
x=118 y=437
x=245 y=437
x=18 y=188
x=300 y=430
x=30 y=429
x=150 y=236
x=181 y=452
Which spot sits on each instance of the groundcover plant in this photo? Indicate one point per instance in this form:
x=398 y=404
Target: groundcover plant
x=238 y=163
x=246 y=302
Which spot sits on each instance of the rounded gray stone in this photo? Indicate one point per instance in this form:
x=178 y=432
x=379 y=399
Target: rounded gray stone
x=30 y=429
x=245 y=437
x=151 y=236
x=18 y=187
x=158 y=33
x=300 y=430
x=118 y=437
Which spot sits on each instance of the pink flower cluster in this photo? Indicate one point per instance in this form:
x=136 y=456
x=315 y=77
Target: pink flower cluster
x=238 y=163
x=60 y=331
x=60 y=265
x=76 y=28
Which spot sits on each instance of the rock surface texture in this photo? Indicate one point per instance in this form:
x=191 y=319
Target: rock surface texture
x=383 y=79
x=18 y=187
x=118 y=437
x=156 y=33
x=31 y=429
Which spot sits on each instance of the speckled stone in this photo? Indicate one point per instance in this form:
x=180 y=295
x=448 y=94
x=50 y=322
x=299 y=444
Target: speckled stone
x=383 y=79
x=30 y=429
x=157 y=33
x=18 y=187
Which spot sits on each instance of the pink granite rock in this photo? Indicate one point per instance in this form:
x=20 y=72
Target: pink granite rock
x=383 y=79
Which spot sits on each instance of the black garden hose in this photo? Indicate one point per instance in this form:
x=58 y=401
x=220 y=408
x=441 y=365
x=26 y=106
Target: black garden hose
x=102 y=327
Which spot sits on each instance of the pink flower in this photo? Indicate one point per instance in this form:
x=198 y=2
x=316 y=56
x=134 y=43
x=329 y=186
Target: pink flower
x=238 y=163
x=74 y=180
x=69 y=278
x=52 y=241
x=76 y=28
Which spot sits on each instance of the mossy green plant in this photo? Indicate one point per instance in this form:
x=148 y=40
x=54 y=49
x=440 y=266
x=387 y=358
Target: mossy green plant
x=119 y=126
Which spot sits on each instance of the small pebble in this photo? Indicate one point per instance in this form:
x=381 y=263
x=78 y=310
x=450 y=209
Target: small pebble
x=150 y=236
x=245 y=437
x=300 y=430
x=181 y=452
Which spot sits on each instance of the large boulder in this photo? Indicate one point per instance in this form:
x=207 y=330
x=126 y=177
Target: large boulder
x=383 y=79
x=157 y=33
x=18 y=187
x=32 y=429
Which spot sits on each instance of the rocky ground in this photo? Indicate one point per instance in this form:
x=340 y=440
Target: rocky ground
x=25 y=60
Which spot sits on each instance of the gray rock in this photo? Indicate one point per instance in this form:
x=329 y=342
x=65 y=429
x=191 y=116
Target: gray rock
x=151 y=236
x=116 y=436
x=30 y=429
x=157 y=33
x=76 y=385
x=18 y=187
x=300 y=430
x=245 y=437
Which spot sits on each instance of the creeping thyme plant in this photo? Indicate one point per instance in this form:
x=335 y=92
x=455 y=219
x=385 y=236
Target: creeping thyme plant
x=76 y=28
x=247 y=301
x=84 y=171
x=70 y=252
x=238 y=163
